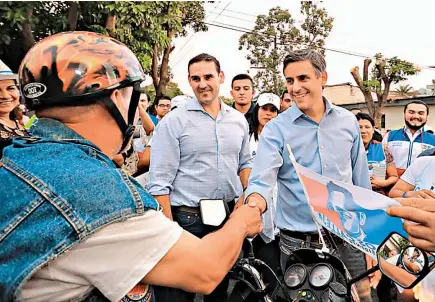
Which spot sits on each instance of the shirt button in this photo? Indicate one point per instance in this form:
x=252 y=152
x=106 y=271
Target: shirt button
x=322 y=147
x=325 y=166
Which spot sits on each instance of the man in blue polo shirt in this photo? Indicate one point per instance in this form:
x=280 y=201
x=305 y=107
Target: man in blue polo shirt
x=323 y=138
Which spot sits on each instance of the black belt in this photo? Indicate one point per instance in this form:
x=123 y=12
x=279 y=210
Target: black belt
x=196 y=210
x=301 y=235
x=192 y=210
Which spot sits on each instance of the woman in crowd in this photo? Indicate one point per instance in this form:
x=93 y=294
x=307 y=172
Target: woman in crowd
x=382 y=169
x=266 y=247
x=11 y=116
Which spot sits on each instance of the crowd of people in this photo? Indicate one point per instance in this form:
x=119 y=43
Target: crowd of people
x=96 y=213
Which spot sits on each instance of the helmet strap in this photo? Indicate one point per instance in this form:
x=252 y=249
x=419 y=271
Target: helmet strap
x=127 y=129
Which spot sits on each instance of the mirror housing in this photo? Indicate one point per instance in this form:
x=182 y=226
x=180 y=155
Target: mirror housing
x=402 y=262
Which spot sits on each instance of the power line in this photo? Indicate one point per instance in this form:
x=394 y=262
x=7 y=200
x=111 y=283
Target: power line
x=195 y=33
x=185 y=43
x=241 y=13
x=346 y=52
x=232 y=17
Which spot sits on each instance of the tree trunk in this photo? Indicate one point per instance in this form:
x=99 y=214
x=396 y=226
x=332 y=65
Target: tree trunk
x=110 y=24
x=72 y=15
x=155 y=67
x=164 y=69
x=363 y=87
x=382 y=94
x=29 y=40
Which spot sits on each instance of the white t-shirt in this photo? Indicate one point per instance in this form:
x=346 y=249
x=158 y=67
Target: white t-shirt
x=114 y=260
x=421 y=173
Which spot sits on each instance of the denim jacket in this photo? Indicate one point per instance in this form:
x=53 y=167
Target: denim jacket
x=56 y=190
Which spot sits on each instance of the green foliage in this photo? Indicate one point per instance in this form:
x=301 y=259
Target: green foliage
x=228 y=101
x=139 y=25
x=276 y=34
x=172 y=90
x=396 y=71
x=316 y=26
x=405 y=90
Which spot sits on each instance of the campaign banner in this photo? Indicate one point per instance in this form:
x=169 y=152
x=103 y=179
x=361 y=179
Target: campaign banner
x=355 y=214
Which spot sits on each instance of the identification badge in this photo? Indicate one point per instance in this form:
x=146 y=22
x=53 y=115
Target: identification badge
x=213 y=211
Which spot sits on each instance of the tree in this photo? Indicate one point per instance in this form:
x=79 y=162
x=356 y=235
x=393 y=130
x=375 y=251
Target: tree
x=385 y=72
x=172 y=90
x=228 y=101
x=147 y=28
x=174 y=18
x=276 y=34
x=405 y=91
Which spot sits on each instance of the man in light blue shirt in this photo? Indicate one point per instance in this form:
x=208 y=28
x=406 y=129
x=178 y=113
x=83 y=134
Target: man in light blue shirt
x=200 y=151
x=323 y=138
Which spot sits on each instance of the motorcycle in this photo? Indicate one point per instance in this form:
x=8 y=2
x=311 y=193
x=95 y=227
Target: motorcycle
x=317 y=275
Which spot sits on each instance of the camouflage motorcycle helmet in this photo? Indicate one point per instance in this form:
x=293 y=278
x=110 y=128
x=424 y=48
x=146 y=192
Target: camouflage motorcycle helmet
x=79 y=68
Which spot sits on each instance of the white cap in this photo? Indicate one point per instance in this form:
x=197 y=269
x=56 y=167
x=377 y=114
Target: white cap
x=6 y=73
x=180 y=100
x=269 y=98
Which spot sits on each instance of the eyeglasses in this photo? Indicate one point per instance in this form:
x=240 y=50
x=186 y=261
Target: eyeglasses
x=165 y=106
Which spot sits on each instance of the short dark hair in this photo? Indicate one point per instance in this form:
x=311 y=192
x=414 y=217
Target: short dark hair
x=417 y=102
x=162 y=97
x=204 y=58
x=242 y=76
x=364 y=116
x=283 y=93
x=316 y=59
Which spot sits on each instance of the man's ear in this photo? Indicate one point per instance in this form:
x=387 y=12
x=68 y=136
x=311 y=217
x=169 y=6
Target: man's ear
x=221 y=77
x=231 y=92
x=116 y=97
x=324 y=78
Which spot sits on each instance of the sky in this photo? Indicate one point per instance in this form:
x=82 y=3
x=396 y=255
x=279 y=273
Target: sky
x=364 y=27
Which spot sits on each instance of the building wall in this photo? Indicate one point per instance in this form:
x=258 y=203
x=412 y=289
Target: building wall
x=343 y=94
x=394 y=117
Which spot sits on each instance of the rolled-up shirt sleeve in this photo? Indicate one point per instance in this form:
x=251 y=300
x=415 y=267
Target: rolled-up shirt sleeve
x=245 y=156
x=267 y=163
x=165 y=156
x=360 y=171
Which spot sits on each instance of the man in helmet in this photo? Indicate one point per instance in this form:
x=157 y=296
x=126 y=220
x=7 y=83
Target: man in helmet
x=72 y=226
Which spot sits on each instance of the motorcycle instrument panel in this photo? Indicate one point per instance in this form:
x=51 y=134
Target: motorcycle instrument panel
x=295 y=275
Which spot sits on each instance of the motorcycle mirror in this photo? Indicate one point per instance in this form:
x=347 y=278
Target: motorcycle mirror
x=402 y=262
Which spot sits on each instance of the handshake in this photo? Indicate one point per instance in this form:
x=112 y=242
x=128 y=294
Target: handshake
x=250 y=214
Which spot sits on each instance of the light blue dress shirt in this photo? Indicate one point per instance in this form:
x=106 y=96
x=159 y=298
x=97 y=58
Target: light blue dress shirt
x=194 y=156
x=332 y=148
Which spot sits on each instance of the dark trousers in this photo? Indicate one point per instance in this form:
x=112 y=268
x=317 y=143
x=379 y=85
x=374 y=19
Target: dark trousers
x=351 y=257
x=193 y=224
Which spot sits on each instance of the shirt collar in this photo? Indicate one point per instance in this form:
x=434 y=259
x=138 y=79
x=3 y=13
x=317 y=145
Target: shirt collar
x=194 y=105
x=296 y=113
x=409 y=133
